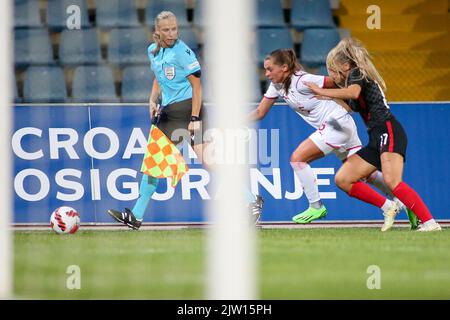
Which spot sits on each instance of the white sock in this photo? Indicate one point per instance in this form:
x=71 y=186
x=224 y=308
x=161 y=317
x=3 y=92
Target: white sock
x=387 y=205
x=308 y=180
x=431 y=221
x=376 y=179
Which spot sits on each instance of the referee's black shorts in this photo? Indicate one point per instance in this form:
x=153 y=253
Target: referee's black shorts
x=174 y=121
x=386 y=137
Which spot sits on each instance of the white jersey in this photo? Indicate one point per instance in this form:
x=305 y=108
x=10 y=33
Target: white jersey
x=301 y=99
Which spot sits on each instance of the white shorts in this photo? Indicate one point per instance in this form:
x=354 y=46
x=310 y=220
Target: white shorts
x=339 y=136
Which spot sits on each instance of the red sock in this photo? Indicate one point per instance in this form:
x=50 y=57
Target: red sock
x=363 y=192
x=412 y=200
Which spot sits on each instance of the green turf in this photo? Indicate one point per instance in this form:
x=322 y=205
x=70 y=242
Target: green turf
x=293 y=264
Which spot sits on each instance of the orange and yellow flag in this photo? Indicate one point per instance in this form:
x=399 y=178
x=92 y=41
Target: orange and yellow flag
x=162 y=159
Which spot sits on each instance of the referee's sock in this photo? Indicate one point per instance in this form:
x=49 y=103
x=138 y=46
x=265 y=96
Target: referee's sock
x=146 y=189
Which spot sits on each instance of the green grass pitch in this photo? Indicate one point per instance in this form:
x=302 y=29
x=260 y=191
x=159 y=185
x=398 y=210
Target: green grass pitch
x=293 y=264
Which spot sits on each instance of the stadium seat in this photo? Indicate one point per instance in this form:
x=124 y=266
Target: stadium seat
x=79 y=47
x=178 y=7
x=44 y=84
x=32 y=46
x=316 y=45
x=137 y=83
x=128 y=46
x=17 y=98
x=27 y=14
x=311 y=14
x=116 y=13
x=188 y=36
x=271 y=39
x=269 y=14
x=93 y=84
x=57 y=16
x=198 y=18
x=322 y=70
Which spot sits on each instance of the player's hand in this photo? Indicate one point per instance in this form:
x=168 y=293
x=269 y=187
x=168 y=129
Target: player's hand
x=153 y=109
x=194 y=126
x=314 y=87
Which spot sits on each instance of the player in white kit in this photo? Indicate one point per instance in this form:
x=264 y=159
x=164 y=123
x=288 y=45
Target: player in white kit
x=335 y=128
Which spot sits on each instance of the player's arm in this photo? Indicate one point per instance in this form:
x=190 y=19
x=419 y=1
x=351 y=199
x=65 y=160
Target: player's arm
x=194 y=79
x=351 y=92
x=154 y=96
x=329 y=83
x=261 y=111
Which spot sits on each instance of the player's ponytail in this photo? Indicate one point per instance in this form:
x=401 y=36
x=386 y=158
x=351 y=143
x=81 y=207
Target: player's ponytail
x=353 y=52
x=289 y=58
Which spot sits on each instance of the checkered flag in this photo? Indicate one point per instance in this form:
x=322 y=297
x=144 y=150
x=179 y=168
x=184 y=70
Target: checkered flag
x=162 y=158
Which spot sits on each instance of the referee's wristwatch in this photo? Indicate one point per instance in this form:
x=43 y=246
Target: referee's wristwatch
x=195 y=118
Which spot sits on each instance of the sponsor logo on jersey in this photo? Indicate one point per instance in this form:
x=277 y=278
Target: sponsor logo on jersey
x=193 y=65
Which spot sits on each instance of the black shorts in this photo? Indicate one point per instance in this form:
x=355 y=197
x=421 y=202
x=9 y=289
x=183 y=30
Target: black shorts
x=387 y=137
x=174 y=121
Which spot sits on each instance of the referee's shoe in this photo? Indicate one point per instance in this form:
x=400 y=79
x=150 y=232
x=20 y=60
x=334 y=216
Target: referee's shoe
x=126 y=217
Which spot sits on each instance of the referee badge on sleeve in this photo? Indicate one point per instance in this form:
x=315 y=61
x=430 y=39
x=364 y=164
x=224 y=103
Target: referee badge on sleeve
x=169 y=72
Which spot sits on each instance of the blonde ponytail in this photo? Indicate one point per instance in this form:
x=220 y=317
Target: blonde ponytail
x=352 y=51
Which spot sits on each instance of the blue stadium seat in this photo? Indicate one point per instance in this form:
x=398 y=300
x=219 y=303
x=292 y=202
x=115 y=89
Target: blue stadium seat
x=198 y=17
x=137 y=83
x=272 y=39
x=322 y=70
x=116 y=13
x=93 y=84
x=311 y=14
x=188 y=36
x=32 y=46
x=128 y=46
x=178 y=7
x=44 y=84
x=17 y=99
x=316 y=45
x=79 y=47
x=269 y=14
x=57 y=16
x=27 y=14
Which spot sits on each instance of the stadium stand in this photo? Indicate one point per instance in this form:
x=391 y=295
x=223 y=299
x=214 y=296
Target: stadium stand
x=269 y=14
x=44 y=84
x=178 y=7
x=27 y=14
x=271 y=39
x=136 y=83
x=311 y=14
x=316 y=45
x=414 y=38
x=93 y=84
x=128 y=46
x=116 y=14
x=57 y=13
x=78 y=47
x=32 y=47
x=412 y=48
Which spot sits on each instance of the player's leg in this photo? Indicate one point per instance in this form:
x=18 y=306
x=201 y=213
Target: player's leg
x=349 y=177
x=392 y=168
x=376 y=179
x=305 y=153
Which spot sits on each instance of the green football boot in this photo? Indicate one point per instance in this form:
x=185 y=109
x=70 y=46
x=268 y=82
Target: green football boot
x=310 y=214
x=413 y=220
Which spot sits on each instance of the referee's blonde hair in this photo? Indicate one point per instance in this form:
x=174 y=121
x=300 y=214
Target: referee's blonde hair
x=162 y=15
x=352 y=51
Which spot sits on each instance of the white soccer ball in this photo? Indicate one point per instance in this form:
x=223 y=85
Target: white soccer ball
x=65 y=220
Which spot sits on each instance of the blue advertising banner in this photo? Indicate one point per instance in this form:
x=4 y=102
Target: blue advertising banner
x=89 y=156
